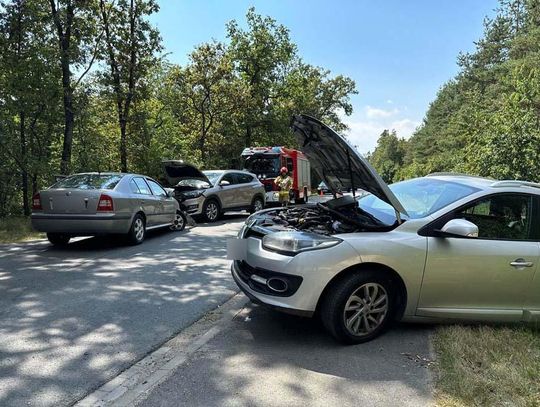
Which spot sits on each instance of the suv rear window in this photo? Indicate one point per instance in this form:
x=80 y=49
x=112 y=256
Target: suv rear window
x=89 y=181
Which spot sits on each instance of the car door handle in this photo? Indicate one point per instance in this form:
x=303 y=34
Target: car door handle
x=520 y=263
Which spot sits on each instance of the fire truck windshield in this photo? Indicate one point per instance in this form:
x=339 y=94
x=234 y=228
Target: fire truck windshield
x=263 y=166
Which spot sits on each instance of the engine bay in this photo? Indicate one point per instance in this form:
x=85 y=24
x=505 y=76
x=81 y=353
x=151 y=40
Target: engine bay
x=340 y=215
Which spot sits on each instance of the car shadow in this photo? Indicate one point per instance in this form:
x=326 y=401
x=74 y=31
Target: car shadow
x=269 y=358
x=72 y=318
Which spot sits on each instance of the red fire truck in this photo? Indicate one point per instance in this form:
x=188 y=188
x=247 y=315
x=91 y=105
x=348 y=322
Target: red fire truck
x=265 y=162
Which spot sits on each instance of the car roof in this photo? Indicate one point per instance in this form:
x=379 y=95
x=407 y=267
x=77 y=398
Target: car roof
x=111 y=173
x=485 y=183
x=228 y=171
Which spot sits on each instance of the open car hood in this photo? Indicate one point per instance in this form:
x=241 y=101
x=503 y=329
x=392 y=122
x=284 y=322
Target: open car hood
x=338 y=164
x=178 y=170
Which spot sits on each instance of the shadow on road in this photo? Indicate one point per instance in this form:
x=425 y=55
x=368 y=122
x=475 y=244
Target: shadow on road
x=72 y=318
x=267 y=358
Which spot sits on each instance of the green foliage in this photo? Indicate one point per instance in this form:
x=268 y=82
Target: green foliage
x=486 y=121
x=388 y=156
x=83 y=87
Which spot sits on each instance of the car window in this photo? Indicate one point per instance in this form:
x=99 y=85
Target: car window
x=89 y=181
x=133 y=187
x=230 y=178
x=502 y=216
x=289 y=163
x=143 y=186
x=156 y=188
x=244 y=178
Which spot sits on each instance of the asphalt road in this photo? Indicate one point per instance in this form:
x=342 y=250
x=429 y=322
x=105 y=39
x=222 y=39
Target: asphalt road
x=269 y=359
x=73 y=318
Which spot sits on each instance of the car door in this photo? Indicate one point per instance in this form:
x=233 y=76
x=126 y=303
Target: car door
x=227 y=193
x=532 y=303
x=167 y=209
x=487 y=277
x=246 y=188
x=147 y=201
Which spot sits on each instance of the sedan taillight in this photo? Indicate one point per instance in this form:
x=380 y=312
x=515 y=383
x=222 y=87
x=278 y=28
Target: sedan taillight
x=105 y=203
x=36 y=203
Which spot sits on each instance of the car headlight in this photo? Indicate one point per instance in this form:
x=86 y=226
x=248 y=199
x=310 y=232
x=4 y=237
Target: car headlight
x=296 y=242
x=192 y=194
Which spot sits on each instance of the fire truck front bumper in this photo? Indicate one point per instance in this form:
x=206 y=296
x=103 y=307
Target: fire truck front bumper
x=272 y=196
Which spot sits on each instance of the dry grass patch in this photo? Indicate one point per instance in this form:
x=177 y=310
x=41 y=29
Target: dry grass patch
x=17 y=229
x=488 y=366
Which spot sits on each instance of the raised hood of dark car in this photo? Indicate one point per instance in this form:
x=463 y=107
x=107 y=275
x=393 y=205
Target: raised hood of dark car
x=338 y=164
x=178 y=170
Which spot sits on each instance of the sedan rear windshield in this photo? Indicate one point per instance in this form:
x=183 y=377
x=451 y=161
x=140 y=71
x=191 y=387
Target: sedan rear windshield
x=89 y=181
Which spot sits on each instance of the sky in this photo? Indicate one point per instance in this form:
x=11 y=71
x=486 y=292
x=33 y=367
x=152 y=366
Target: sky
x=399 y=52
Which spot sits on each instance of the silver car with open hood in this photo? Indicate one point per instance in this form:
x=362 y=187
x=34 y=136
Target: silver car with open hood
x=211 y=193
x=442 y=247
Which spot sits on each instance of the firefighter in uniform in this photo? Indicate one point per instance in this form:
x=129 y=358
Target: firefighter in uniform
x=284 y=183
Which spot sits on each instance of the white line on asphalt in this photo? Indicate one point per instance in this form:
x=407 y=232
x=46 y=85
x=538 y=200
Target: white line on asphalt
x=137 y=381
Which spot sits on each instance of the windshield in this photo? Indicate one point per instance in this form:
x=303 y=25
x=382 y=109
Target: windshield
x=419 y=196
x=263 y=166
x=89 y=181
x=213 y=176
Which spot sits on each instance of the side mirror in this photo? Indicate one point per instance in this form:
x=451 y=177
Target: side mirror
x=458 y=228
x=224 y=183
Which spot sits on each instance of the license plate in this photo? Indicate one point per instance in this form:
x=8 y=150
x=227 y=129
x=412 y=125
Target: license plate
x=236 y=249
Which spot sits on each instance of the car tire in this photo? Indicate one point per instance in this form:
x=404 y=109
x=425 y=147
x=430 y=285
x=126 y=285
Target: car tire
x=257 y=204
x=211 y=210
x=359 y=307
x=179 y=222
x=137 y=232
x=58 y=239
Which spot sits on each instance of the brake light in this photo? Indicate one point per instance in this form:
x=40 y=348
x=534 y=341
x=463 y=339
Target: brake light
x=105 y=203
x=36 y=203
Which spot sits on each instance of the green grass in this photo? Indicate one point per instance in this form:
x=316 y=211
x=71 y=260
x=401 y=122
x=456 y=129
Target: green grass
x=17 y=229
x=487 y=366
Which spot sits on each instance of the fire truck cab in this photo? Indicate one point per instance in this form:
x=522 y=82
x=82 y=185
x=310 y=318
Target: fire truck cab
x=265 y=162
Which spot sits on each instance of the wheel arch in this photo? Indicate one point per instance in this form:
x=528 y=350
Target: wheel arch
x=358 y=268
x=213 y=197
x=258 y=195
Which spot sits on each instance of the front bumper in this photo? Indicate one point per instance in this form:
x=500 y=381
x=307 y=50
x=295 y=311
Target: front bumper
x=272 y=196
x=81 y=224
x=194 y=206
x=315 y=269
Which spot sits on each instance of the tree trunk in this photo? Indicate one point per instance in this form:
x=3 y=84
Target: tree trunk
x=69 y=122
x=24 y=162
x=123 y=145
x=64 y=39
x=248 y=135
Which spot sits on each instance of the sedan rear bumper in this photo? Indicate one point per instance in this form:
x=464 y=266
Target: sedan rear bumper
x=81 y=224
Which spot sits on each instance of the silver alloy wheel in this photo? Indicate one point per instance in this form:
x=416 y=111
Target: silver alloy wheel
x=178 y=223
x=257 y=205
x=366 y=309
x=139 y=229
x=212 y=211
